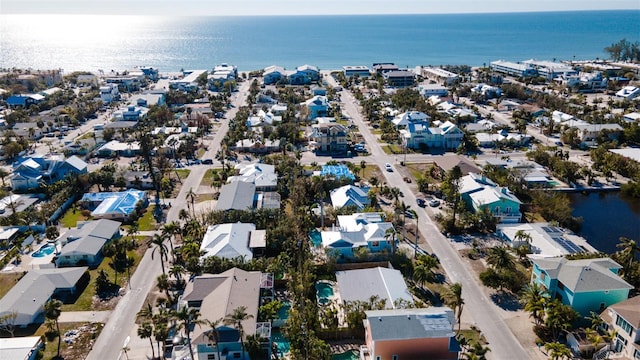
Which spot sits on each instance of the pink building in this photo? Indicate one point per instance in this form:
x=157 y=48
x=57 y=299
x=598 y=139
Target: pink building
x=410 y=334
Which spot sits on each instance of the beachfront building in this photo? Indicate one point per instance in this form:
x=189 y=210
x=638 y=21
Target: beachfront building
x=329 y=138
x=272 y=74
x=480 y=193
x=586 y=285
x=360 y=230
x=381 y=68
x=114 y=205
x=30 y=172
x=387 y=285
x=623 y=319
x=189 y=81
x=83 y=245
x=24 y=100
x=441 y=76
x=27 y=298
x=109 y=93
x=425 y=333
x=350 y=195
x=216 y=296
x=420 y=134
x=628 y=93
x=399 y=78
x=543 y=239
x=360 y=70
x=513 y=69
x=550 y=69
x=232 y=241
x=304 y=75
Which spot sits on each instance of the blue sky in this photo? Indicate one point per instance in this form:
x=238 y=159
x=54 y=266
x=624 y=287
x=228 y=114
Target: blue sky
x=301 y=7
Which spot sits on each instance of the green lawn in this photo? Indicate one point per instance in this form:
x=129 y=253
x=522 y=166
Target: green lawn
x=7 y=281
x=84 y=302
x=182 y=173
x=147 y=222
x=71 y=217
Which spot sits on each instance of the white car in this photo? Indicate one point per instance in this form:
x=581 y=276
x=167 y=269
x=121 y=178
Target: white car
x=388 y=167
x=434 y=203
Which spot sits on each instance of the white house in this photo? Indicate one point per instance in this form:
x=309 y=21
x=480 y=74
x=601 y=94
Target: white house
x=545 y=240
x=445 y=136
x=410 y=116
x=272 y=74
x=83 y=245
x=628 y=93
x=263 y=176
x=624 y=319
x=109 y=93
x=231 y=241
x=440 y=75
x=349 y=195
x=317 y=106
x=360 y=230
x=428 y=90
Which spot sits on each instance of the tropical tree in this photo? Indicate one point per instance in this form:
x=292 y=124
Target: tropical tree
x=453 y=298
x=557 y=350
x=559 y=317
x=500 y=259
x=145 y=331
x=187 y=319
x=52 y=311
x=214 y=332
x=163 y=251
x=390 y=237
x=191 y=195
x=236 y=318
x=534 y=299
x=523 y=236
x=414 y=214
x=451 y=189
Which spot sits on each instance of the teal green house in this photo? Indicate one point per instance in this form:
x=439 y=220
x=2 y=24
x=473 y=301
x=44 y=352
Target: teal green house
x=586 y=285
x=479 y=193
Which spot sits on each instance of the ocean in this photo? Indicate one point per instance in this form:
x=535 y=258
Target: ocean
x=92 y=42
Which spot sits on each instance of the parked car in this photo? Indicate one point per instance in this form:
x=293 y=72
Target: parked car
x=207 y=161
x=434 y=203
x=388 y=167
x=420 y=202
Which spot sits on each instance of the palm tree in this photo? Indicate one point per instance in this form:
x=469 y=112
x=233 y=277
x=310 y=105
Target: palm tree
x=363 y=167
x=627 y=254
x=500 y=259
x=236 y=318
x=557 y=350
x=453 y=298
x=191 y=195
x=188 y=318
x=171 y=230
x=145 y=331
x=159 y=241
x=52 y=311
x=390 y=236
x=534 y=299
x=214 y=332
x=414 y=214
x=522 y=235
x=3 y=174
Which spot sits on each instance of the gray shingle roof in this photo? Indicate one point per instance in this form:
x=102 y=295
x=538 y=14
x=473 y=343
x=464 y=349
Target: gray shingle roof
x=90 y=237
x=361 y=284
x=237 y=195
x=584 y=275
x=402 y=324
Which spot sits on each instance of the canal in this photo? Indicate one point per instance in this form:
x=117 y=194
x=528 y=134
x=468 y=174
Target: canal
x=607 y=217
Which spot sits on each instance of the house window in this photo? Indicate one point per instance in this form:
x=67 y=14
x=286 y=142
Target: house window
x=601 y=307
x=375 y=243
x=636 y=354
x=211 y=357
x=560 y=285
x=507 y=210
x=236 y=355
x=623 y=324
x=378 y=358
x=394 y=357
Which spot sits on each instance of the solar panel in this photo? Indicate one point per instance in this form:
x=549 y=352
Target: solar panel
x=568 y=245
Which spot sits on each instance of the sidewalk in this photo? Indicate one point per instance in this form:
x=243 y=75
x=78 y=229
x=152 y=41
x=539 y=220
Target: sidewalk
x=84 y=316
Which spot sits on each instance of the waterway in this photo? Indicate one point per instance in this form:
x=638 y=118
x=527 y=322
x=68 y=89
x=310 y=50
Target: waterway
x=607 y=217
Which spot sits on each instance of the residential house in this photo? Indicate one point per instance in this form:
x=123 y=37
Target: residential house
x=263 y=176
x=241 y=195
x=425 y=333
x=27 y=130
x=545 y=240
x=138 y=180
x=21 y=348
x=428 y=90
x=350 y=195
x=28 y=297
x=340 y=171
x=272 y=74
x=131 y=113
x=114 y=205
x=17 y=202
x=399 y=78
x=29 y=172
x=628 y=93
x=532 y=173
x=147 y=100
x=24 y=100
x=257 y=146
x=623 y=319
x=586 y=285
x=329 y=138
x=216 y=296
x=480 y=193
x=317 y=106
x=360 y=230
x=109 y=93
x=490 y=140
x=304 y=75
x=445 y=136
x=381 y=68
x=262 y=118
x=408 y=117
x=231 y=241
x=83 y=246
x=632 y=117
x=445 y=163
x=487 y=91
x=116 y=148
x=189 y=81
x=387 y=285
x=589 y=133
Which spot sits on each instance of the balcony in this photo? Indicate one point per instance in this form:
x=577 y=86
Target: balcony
x=364 y=353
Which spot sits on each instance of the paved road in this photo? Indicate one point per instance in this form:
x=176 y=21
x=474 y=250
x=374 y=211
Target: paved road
x=121 y=322
x=502 y=342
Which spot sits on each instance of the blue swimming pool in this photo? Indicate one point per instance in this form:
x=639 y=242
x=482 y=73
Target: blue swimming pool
x=324 y=291
x=281 y=342
x=316 y=238
x=45 y=250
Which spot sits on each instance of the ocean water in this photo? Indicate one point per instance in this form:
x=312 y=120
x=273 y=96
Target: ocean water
x=81 y=42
